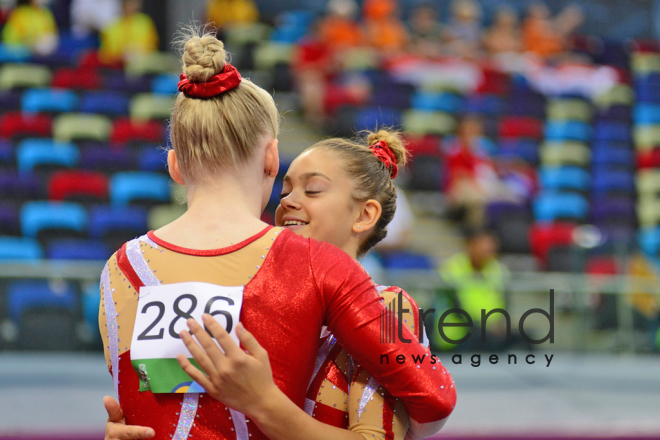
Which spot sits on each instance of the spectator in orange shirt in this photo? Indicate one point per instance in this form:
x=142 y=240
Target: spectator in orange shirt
x=384 y=29
x=339 y=29
x=540 y=35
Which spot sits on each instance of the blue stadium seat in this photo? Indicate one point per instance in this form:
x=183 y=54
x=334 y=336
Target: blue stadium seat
x=6 y=152
x=557 y=178
x=21 y=186
x=131 y=186
x=646 y=114
x=407 y=260
x=109 y=103
x=277 y=190
x=78 y=249
x=40 y=215
x=568 y=130
x=484 y=104
x=33 y=153
x=615 y=210
x=106 y=159
x=153 y=158
x=612 y=131
x=14 y=54
x=550 y=206
x=49 y=100
x=31 y=294
x=105 y=220
x=392 y=94
x=612 y=156
x=612 y=181
x=371 y=117
x=91 y=298
x=20 y=248
x=9 y=224
x=446 y=102
x=165 y=84
x=526 y=149
x=648 y=239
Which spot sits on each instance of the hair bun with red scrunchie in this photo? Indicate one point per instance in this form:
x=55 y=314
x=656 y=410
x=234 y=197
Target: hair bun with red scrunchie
x=383 y=152
x=219 y=83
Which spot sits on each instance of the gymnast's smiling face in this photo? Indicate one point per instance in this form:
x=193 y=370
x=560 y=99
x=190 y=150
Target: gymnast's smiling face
x=316 y=200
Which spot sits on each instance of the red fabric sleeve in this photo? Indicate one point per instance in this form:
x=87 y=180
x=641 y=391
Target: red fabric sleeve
x=353 y=315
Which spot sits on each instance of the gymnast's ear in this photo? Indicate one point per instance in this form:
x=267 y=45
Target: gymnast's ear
x=272 y=159
x=173 y=167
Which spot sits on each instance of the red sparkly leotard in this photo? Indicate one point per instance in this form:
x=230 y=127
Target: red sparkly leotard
x=292 y=287
x=345 y=395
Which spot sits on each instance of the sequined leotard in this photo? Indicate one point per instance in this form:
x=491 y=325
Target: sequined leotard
x=293 y=286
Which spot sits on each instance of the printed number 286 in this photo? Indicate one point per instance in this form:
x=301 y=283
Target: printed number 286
x=180 y=314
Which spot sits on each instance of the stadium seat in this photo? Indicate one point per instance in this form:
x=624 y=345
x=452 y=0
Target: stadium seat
x=404 y=260
x=10 y=100
x=153 y=63
x=106 y=159
x=614 y=156
x=646 y=137
x=555 y=153
x=15 y=186
x=241 y=34
x=153 y=158
x=648 y=211
x=566 y=259
x=543 y=236
x=568 y=110
x=425 y=173
x=564 y=178
x=614 y=113
x=520 y=127
x=146 y=106
x=613 y=182
x=47 y=220
x=617 y=210
x=568 y=130
x=165 y=84
x=432 y=101
x=428 y=145
x=621 y=95
x=418 y=122
x=372 y=117
x=15 y=125
x=7 y=154
x=20 y=248
x=78 y=186
x=90 y=301
x=108 y=103
x=139 y=187
x=127 y=131
x=649 y=240
x=484 y=104
x=9 y=224
x=10 y=53
x=648 y=182
x=115 y=225
x=77 y=79
x=81 y=126
x=49 y=101
x=395 y=95
x=161 y=215
x=550 y=206
x=268 y=54
x=32 y=154
x=646 y=114
x=526 y=149
x=78 y=249
x=513 y=233
x=493 y=82
x=23 y=76
x=45 y=313
x=612 y=131
x=119 y=81
x=527 y=104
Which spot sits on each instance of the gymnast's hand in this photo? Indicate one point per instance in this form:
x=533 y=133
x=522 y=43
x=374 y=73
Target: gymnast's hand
x=242 y=380
x=116 y=428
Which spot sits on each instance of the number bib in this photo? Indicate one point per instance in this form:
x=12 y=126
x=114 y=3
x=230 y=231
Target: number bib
x=162 y=313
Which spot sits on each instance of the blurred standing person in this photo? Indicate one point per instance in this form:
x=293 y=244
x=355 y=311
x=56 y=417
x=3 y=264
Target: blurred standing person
x=426 y=32
x=540 y=35
x=31 y=24
x=91 y=16
x=383 y=28
x=464 y=32
x=133 y=33
x=223 y=12
x=475 y=280
x=340 y=29
x=503 y=39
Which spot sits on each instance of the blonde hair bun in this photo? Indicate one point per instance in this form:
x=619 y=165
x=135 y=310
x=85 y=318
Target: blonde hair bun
x=394 y=140
x=203 y=57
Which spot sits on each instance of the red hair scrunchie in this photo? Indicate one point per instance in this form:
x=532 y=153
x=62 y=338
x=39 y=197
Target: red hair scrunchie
x=383 y=152
x=219 y=83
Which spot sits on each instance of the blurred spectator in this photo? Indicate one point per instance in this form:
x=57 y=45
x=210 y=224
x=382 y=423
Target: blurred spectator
x=503 y=38
x=339 y=29
x=546 y=37
x=132 y=34
x=91 y=16
x=646 y=306
x=472 y=181
x=31 y=24
x=426 y=32
x=401 y=226
x=475 y=280
x=384 y=29
x=223 y=12
x=464 y=32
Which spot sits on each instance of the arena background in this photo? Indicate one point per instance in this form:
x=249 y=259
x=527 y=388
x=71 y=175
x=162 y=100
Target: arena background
x=571 y=134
